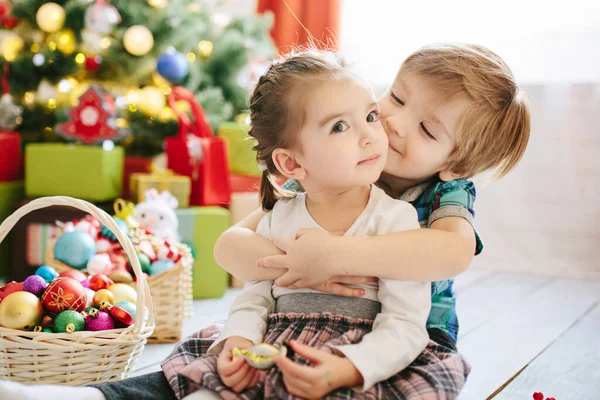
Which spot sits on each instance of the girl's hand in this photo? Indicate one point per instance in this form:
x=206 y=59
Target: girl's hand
x=327 y=373
x=234 y=372
x=308 y=259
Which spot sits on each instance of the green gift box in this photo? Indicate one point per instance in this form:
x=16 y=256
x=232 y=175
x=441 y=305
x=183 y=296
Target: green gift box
x=201 y=227
x=242 y=159
x=85 y=172
x=11 y=193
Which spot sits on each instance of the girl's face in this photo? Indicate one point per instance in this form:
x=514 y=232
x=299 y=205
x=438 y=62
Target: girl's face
x=341 y=143
x=421 y=129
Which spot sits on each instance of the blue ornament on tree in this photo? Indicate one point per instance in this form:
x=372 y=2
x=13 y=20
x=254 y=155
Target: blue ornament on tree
x=173 y=66
x=74 y=249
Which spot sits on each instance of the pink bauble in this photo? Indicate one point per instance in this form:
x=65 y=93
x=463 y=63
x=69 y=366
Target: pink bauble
x=64 y=293
x=73 y=273
x=101 y=322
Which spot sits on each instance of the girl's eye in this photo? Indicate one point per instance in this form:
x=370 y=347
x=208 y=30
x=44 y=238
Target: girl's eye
x=396 y=99
x=373 y=116
x=424 y=128
x=339 y=127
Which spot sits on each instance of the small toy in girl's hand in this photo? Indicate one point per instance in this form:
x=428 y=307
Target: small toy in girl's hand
x=260 y=356
x=156 y=213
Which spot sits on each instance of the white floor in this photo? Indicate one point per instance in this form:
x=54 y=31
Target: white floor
x=507 y=321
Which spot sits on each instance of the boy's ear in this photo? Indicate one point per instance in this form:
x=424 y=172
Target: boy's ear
x=447 y=175
x=287 y=164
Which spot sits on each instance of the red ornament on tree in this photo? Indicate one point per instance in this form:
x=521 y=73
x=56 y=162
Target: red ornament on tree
x=91 y=121
x=93 y=63
x=64 y=293
x=7 y=21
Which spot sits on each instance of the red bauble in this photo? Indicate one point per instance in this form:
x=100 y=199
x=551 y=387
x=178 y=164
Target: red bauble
x=93 y=63
x=100 y=281
x=122 y=318
x=538 y=396
x=64 y=293
x=9 y=288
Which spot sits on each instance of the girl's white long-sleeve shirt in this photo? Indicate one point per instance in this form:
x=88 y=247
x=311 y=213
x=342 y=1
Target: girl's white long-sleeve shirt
x=399 y=333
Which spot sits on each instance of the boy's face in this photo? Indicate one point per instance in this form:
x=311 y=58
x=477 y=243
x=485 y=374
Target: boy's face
x=342 y=143
x=420 y=128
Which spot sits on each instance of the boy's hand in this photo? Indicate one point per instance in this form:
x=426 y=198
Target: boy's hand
x=327 y=373
x=234 y=372
x=308 y=259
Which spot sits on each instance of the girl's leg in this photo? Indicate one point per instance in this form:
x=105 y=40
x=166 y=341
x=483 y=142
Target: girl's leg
x=202 y=394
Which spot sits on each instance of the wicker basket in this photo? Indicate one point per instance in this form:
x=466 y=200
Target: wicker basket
x=171 y=293
x=78 y=358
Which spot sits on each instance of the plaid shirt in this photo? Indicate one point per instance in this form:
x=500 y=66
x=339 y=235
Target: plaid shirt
x=434 y=200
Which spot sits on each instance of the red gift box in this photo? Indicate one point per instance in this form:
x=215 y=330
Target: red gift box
x=11 y=157
x=244 y=183
x=133 y=165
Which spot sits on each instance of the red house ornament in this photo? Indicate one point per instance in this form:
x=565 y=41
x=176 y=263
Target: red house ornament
x=92 y=119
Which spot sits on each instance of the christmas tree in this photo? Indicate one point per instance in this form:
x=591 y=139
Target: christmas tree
x=134 y=52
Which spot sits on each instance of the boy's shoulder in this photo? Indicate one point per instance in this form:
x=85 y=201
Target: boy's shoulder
x=436 y=188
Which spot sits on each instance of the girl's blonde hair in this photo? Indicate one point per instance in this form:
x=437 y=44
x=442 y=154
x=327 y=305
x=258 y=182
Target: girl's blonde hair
x=276 y=110
x=494 y=132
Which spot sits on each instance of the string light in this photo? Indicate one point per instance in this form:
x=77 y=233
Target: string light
x=205 y=48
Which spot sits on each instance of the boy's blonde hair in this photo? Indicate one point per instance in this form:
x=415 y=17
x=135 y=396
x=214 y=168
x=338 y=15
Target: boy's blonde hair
x=494 y=132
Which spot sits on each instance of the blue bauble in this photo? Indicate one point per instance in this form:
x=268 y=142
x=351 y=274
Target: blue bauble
x=47 y=272
x=160 y=266
x=173 y=66
x=127 y=306
x=74 y=249
x=107 y=233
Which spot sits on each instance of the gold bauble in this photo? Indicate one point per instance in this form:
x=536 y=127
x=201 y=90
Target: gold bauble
x=103 y=295
x=138 y=40
x=205 y=48
x=152 y=100
x=50 y=17
x=123 y=292
x=65 y=41
x=158 y=3
x=12 y=47
x=20 y=310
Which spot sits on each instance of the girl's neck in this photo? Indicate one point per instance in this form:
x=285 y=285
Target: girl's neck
x=395 y=186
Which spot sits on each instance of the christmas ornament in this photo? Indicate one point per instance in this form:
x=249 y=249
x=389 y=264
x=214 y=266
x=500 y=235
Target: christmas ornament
x=20 y=310
x=92 y=120
x=69 y=321
x=92 y=63
x=158 y=3
x=205 y=48
x=123 y=292
x=127 y=306
x=169 y=252
x=146 y=247
x=12 y=47
x=9 y=288
x=65 y=41
x=7 y=21
x=89 y=294
x=10 y=113
x=103 y=246
x=102 y=17
x=100 y=281
x=74 y=249
x=122 y=318
x=64 y=294
x=121 y=277
x=89 y=225
x=144 y=262
x=160 y=266
x=100 y=321
x=47 y=321
x=85 y=283
x=152 y=100
x=99 y=264
x=92 y=42
x=138 y=40
x=122 y=226
x=249 y=75
x=47 y=272
x=50 y=17
x=173 y=66
x=75 y=274
x=35 y=284
x=103 y=295
x=45 y=92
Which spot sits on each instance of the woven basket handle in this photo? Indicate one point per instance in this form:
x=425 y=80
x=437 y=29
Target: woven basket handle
x=142 y=288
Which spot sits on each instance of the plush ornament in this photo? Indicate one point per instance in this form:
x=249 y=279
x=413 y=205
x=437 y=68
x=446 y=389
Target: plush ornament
x=69 y=321
x=100 y=281
x=9 y=288
x=103 y=295
x=146 y=247
x=156 y=213
x=64 y=294
x=173 y=66
x=99 y=264
x=21 y=310
x=122 y=226
x=169 y=252
x=100 y=321
x=74 y=249
x=47 y=272
x=86 y=227
x=89 y=293
x=104 y=246
x=123 y=292
x=35 y=284
x=75 y=274
x=121 y=277
x=160 y=266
